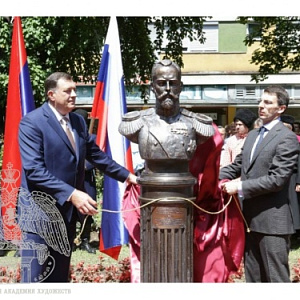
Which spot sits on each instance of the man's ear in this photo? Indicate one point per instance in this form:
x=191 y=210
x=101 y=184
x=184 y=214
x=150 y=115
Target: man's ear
x=282 y=109
x=50 y=95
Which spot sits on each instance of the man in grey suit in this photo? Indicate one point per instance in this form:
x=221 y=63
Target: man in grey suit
x=265 y=171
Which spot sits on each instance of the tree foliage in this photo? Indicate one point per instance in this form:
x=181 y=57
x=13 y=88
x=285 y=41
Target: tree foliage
x=279 y=44
x=73 y=45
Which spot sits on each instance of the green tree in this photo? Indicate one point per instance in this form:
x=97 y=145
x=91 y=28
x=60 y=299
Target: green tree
x=279 y=44
x=73 y=45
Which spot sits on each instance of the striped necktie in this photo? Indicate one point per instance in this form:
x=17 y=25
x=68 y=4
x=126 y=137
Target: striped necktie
x=65 y=122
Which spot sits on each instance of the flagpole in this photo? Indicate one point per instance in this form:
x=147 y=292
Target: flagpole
x=92 y=124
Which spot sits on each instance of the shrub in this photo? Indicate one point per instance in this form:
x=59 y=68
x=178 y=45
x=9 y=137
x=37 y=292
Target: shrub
x=296 y=272
x=101 y=273
x=119 y=272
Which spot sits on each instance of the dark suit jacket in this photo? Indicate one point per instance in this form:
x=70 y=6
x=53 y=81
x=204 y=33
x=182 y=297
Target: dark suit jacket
x=265 y=180
x=48 y=159
x=294 y=196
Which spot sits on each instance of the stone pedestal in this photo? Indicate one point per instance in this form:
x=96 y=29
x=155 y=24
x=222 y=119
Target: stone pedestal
x=167 y=225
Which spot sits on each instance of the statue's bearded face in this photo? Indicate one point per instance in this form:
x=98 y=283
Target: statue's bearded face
x=167 y=87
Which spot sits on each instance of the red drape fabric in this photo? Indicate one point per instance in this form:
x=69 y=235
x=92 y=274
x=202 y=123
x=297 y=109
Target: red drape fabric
x=218 y=237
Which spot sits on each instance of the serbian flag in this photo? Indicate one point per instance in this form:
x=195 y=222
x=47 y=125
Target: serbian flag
x=108 y=107
x=19 y=102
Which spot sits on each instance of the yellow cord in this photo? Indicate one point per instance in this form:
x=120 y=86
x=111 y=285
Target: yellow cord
x=169 y=198
x=77 y=240
x=238 y=206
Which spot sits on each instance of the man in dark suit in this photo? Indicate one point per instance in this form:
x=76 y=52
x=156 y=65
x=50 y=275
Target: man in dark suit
x=265 y=171
x=51 y=165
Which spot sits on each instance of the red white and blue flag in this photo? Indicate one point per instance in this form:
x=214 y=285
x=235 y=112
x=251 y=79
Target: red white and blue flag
x=109 y=106
x=20 y=101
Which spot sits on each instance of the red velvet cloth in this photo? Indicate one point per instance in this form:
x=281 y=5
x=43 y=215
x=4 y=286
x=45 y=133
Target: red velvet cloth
x=131 y=217
x=218 y=238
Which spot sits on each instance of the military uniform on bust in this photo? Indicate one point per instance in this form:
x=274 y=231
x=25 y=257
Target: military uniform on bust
x=159 y=139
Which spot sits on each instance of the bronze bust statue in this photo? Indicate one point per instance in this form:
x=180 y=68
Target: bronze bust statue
x=166 y=132
x=167 y=136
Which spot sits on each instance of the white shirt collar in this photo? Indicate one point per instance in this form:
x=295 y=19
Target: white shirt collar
x=58 y=115
x=270 y=125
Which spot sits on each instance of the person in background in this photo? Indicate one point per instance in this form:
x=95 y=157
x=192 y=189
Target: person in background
x=257 y=123
x=90 y=187
x=229 y=130
x=222 y=131
x=265 y=166
x=297 y=127
x=288 y=121
x=294 y=188
x=54 y=146
x=243 y=120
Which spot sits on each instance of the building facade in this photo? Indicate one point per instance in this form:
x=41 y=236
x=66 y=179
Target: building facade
x=216 y=76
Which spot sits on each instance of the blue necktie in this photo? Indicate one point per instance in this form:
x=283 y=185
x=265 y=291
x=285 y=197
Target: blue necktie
x=262 y=131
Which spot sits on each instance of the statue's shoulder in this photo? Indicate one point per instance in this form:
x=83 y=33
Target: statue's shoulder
x=203 y=124
x=136 y=114
x=132 y=121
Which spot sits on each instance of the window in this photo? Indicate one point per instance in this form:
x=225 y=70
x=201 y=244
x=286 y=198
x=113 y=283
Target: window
x=133 y=93
x=214 y=93
x=198 y=92
x=296 y=95
x=85 y=94
x=231 y=37
x=211 y=32
x=190 y=92
x=246 y=92
x=254 y=30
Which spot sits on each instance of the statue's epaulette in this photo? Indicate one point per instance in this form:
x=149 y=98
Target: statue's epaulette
x=201 y=123
x=131 y=123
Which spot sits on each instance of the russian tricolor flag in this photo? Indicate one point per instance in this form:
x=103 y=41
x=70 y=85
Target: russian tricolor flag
x=19 y=102
x=109 y=106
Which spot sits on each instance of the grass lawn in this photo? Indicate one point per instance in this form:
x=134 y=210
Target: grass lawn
x=77 y=256
x=90 y=259
x=295 y=252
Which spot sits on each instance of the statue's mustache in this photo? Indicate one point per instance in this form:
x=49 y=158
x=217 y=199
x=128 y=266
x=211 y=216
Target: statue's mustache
x=164 y=96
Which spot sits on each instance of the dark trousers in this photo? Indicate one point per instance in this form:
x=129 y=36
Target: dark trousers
x=267 y=258
x=41 y=263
